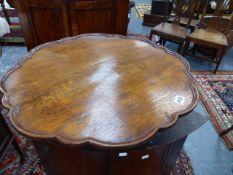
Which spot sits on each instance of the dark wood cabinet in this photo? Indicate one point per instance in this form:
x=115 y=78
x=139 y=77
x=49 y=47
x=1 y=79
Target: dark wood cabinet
x=44 y=20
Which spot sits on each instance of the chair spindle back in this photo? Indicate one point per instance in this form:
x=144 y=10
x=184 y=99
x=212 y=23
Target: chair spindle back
x=222 y=18
x=185 y=8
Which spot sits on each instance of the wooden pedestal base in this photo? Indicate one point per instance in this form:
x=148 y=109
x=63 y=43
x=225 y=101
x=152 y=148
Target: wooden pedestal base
x=155 y=157
x=63 y=160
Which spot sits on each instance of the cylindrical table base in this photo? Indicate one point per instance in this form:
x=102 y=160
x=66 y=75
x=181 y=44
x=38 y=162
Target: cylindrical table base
x=62 y=160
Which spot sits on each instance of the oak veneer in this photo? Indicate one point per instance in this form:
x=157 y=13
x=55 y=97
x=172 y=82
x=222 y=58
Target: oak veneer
x=163 y=150
x=109 y=91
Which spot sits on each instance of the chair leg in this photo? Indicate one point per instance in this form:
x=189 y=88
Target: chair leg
x=164 y=42
x=16 y=146
x=219 y=57
x=161 y=41
x=151 y=35
x=216 y=68
x=180 y=48
x=6 y=128
x=185 y=48
x=194 y=49
x=0 y=50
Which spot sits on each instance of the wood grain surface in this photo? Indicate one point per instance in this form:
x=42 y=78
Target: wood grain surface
x=44 y=21
x=106 y=90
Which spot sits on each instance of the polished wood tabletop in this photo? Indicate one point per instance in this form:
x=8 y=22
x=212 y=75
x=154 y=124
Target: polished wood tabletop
x=104 y=90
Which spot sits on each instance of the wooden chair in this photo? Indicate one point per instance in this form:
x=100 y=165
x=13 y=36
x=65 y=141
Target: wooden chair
x=161 y=19
x=196 y=17
x=212 y=33
x=7 y=137
x=174 y=31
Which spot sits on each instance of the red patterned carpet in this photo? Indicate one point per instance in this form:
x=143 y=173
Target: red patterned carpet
x=217 y=96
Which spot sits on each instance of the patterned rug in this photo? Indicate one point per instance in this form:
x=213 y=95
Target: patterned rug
x=217 y=96
x=142 y=8
x=16 y=34
x=11 y=164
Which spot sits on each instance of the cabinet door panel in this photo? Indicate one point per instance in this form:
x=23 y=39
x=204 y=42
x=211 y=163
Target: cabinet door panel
x=51 y=20
x=93 y=16
x=43 y=20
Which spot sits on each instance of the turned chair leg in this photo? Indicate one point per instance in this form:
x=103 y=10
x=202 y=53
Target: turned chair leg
x=194 y=49
x=10 y=133
x=151 y=35
x=216 y=68
x=0 y=50
x=17 y=148
x=180 y=49
x=219 y=57
x=185 y=48
x=164 y=42
x=160 y=41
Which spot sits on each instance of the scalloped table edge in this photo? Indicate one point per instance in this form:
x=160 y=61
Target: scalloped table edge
x=13 y=110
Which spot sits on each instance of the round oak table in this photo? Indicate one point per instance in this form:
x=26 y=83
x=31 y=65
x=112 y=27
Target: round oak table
x=101 y=104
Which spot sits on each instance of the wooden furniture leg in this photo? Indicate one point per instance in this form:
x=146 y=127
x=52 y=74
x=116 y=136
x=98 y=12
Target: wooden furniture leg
x=0 y=50
x=151 y=35
x=180 y=48
x=8 y=139
x=185 y=48
x=68 y=160
x=161 y=41
x=164 y=42
x=17 y=148
x=194 y=49
x=219 y=57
